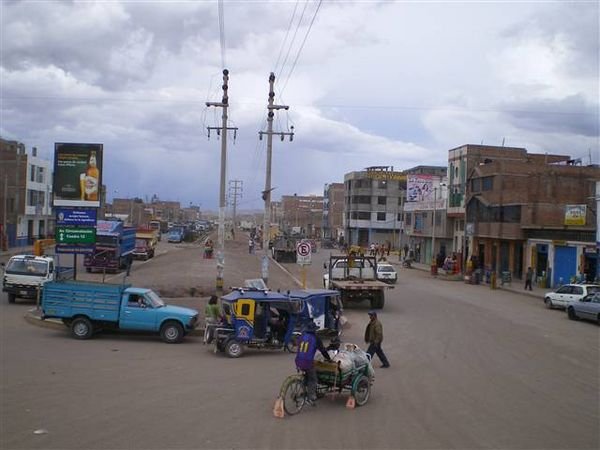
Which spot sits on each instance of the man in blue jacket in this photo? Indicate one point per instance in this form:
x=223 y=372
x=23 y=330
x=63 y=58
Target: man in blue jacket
x=308 y=344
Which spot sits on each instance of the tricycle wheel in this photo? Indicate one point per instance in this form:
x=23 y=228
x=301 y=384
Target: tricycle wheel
x=171 y=332
x=234 y=349
x=294 y=396
x=82 y=328
x=361 y=390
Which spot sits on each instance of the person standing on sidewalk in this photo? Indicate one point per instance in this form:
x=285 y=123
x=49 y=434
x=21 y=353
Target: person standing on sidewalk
x=374 y=337
x=251 y=246
x=529 y=278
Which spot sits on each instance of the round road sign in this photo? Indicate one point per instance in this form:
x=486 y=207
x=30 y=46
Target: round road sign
x=303 y=249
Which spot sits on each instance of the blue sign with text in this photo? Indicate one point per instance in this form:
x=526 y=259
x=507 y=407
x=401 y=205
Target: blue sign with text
x=76 y=217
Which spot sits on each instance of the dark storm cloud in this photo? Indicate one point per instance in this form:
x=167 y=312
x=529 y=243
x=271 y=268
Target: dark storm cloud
x=571 y=115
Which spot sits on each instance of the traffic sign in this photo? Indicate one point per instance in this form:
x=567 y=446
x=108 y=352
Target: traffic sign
x=80 y=235
x=303 y=253
x=77 y=217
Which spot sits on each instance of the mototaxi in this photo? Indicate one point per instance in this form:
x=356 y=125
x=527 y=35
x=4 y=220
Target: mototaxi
x=259 y=318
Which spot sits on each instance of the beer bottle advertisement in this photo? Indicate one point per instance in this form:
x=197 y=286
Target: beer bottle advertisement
x=77 y=174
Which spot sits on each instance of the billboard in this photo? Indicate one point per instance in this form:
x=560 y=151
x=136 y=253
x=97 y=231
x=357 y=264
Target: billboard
x=575 y=214
x=77 y=174
x=422 y=191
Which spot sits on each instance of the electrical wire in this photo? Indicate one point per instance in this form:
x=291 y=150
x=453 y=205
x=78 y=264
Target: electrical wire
x=293 y=37
x=302 y=46
x=286 y=36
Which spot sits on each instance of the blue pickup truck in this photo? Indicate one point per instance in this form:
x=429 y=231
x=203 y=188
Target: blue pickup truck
x=87 y=307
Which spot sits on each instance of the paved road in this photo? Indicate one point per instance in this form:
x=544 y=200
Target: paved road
x=471 y=368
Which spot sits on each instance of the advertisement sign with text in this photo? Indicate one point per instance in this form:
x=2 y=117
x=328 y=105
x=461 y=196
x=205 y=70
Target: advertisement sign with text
x=76 y=217
x=77 y=174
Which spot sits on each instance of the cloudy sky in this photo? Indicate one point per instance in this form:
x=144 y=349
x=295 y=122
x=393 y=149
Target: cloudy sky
x=395 y=83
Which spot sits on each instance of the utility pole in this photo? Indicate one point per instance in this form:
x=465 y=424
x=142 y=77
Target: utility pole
x=222 y=202
x=235 y=191
x=266 y=194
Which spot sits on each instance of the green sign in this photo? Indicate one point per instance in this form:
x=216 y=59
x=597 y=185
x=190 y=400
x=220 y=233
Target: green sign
x=69 y=235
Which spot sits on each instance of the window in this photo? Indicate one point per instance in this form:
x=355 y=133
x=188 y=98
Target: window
x=438 y=218
x=408 y=218
x=381 y=217
x=577 y=290
x=381 y=200
x=382 y=184
x=362 y=215
x=476 y=185
x=40 y=175
x=487 y=183
x=418 y=222
x=361 y=199
x=32 y=173
x=399 y=218
x=245 y=309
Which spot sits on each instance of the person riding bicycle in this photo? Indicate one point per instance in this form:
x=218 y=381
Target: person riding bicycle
x=308 y=344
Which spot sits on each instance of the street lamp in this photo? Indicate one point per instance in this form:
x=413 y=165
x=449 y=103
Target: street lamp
x=442 y=185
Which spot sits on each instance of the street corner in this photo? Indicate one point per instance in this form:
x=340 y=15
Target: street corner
x=34 y=317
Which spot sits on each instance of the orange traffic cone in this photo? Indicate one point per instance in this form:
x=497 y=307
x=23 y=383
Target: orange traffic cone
x=351 y=403
x=278 y=408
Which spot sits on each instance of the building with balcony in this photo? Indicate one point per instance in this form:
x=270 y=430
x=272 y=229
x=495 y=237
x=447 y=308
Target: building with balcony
x=373 y=206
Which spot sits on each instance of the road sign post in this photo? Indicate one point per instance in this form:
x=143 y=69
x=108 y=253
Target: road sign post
x=303 y=254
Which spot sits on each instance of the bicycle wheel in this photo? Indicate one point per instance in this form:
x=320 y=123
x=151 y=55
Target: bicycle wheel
x=361 y=390
x=294 y=396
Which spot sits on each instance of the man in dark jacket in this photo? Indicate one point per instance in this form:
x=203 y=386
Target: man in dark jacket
x=374 y=337
x=308 y=344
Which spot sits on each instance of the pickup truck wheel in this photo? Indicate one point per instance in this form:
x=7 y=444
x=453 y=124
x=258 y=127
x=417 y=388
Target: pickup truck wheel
x=12 y=298
x=234 y=349
x=171 y=332
x=82 y=328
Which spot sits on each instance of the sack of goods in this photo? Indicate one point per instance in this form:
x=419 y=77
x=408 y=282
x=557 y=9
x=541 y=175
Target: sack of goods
x=349 y=357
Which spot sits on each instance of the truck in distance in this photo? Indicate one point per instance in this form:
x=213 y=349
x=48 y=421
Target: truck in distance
x=114 y=245
x=355 y=277
x=87 y=307
x=146 y=240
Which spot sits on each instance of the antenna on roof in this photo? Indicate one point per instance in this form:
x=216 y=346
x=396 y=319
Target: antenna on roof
x=503 y=139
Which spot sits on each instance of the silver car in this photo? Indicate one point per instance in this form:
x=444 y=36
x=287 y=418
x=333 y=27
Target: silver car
x=586 y=308
x=569 y=293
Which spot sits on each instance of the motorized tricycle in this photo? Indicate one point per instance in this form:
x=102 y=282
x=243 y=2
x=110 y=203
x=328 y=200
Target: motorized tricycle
x=259 y=318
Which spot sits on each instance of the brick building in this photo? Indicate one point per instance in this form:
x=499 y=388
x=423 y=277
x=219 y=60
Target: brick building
x=304 y=211
x=518 y=214
x=333 y=211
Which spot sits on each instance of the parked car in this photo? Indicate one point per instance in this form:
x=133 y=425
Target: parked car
x=569 y=293
x=387 y=273
x=586 y=308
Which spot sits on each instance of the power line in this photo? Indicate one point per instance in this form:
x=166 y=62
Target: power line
x=301 y=46
x=286 y=36
x=293 y=37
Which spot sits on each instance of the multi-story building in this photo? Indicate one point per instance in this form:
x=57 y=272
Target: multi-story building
x=426 y=226
x=373 y=206
x=461 y=163
x=25 y=195
x=333 y=211
x=304 y=211
x=534 y=211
